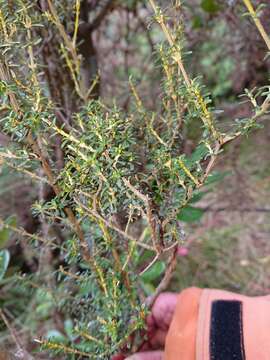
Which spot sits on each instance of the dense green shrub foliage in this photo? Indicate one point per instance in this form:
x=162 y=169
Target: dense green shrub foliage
x=113 y=185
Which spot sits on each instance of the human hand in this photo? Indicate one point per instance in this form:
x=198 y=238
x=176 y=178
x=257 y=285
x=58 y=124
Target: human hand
x=158 y=323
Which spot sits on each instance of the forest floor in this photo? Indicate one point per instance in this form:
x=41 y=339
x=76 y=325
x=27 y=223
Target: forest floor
x=230 y=248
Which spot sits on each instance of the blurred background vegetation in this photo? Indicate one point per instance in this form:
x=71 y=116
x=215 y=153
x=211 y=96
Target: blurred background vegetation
x=226 y=242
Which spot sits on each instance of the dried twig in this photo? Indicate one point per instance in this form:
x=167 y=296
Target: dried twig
x=163 y=285
x=21 y=351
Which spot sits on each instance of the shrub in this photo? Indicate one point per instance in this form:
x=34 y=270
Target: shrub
x=112 y=186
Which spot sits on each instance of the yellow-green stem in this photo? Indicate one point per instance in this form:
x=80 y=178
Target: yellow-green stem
x=257 y=22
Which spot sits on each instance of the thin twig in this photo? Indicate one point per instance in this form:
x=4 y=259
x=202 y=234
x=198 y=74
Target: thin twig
x=20 y=349
x=71 y=46
x=166 y=279
x=170 y=39
x=76 y=24
x=150 y=265
x=210 y=164
x=97 y=21
x=200 y=103
x=23 y=232
x=111 y=225
x=64 y=348
x=150 y=217
x=257 y=22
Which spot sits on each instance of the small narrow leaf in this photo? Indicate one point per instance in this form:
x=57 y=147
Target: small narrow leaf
x=210 y=6
x=216 y=177
x=5 y=232
x=154 y=272
x=4 y=236
x=4 y=261
x=198 y=196
x=56 y=336
x=199 y=153
x=190 y=214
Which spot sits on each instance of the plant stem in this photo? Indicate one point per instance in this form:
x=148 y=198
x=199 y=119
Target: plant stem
x=171 y=265
x=257 y=22
x=199 y=101
x=15 y=337
x=171 y=42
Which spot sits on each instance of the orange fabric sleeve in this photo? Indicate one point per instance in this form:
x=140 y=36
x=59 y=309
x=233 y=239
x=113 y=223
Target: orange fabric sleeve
x=256 y=323
x=181 y=339
x=191 y=330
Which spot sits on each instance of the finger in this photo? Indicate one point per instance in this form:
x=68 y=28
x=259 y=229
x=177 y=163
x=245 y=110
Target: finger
x=118 y=357
x=157 y=341
x=154 y=342
x=152 y=355
x=162 y=311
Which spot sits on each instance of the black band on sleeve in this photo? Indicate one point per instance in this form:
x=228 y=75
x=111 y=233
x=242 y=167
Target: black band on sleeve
x=226 y=331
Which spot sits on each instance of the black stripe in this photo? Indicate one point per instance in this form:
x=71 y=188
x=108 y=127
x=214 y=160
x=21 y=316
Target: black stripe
x=226 y=331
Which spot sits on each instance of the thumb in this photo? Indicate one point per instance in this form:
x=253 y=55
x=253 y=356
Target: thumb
x=150 y=355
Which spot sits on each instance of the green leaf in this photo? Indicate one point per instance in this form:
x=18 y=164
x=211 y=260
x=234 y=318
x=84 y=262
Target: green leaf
x=5 y=232
x=199 y=153
x=68 y=325
x=216 y=177
x=56 y=336
x=145 y=257
x=190 y=214
x=4 y=236
x=4 y=261
x=198 y=196
x=210 y=6
x=154 y=272
x=149 y=289
x=197 y=22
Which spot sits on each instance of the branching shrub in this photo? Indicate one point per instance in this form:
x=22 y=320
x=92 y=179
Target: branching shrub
x=113 y=186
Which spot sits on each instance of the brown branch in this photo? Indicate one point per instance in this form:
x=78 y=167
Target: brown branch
x=86 y=47
x=99 y=18
x=151 y=219
x=21 y=350
x=228 y=138
x=210 y=164
x=171 y=264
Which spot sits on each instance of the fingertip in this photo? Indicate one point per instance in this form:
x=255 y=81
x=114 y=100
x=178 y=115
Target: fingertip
x=164 y=307
x=165 y=300
x=168 y=298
